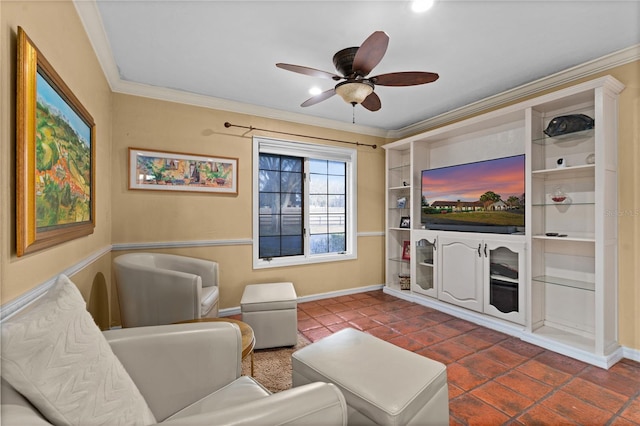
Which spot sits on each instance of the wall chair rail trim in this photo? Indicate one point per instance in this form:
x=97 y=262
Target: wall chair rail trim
x=15 y=305
x=180 y=244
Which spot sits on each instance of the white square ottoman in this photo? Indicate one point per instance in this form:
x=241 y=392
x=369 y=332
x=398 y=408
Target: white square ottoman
x=382 y=383
x=272 y=312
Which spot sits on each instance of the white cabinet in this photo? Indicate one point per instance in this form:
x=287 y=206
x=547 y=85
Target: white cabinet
x=461 y=271
x=483 y=274
x=558 y=279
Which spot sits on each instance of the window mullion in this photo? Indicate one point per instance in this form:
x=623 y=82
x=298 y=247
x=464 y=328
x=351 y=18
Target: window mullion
x=305 y=207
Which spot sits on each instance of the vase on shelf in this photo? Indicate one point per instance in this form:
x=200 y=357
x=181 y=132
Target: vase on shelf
x=558 y=195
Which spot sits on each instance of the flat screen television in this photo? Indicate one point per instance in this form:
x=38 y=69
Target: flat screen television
x=486 y=196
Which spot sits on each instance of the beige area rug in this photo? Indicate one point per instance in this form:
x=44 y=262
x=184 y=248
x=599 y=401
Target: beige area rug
x=272 y=367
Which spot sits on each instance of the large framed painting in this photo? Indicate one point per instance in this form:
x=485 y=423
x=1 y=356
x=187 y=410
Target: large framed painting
x=55 y=164
x=175 y=171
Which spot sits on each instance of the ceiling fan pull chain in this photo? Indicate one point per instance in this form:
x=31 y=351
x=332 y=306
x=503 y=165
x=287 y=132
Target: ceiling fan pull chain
x=353 y=113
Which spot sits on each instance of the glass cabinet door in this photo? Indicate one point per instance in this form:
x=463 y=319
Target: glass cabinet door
x=505 y=293
x=425 y=264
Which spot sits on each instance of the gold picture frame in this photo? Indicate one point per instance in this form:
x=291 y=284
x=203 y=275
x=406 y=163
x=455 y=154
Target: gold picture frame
x=55 y=156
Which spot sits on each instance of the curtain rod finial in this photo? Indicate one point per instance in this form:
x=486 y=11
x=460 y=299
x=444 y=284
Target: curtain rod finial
x=227 y=124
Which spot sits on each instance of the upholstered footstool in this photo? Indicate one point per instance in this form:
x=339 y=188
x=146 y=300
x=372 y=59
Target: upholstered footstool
x=382 y=383
x=272 y=312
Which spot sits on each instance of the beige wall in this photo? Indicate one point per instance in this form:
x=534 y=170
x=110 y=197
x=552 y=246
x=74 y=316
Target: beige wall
x=629 y=205
x=54 y=27
x=141 y=216
x=158 y=216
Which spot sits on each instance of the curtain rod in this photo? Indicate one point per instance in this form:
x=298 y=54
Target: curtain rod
x=251 y=128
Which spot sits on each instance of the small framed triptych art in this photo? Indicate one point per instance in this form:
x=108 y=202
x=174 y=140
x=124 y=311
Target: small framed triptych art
x=175 y=171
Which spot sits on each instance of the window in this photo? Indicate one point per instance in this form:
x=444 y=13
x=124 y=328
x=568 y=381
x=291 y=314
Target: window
x=304 y=203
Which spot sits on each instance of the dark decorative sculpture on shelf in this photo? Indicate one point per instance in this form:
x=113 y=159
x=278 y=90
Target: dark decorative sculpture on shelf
x=569 y=124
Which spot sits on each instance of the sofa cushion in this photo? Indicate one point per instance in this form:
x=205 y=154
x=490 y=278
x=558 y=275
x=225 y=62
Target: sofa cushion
x=54 y=354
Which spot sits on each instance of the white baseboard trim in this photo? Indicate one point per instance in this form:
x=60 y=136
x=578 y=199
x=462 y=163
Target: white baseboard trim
x=465 y=314
x=338 y=293
x=605 y=361
x=236 y=310
x=630 y=353
x=519 y=331
x=14 y=306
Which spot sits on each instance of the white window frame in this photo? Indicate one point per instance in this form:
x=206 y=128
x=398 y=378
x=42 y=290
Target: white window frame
x=307 y=150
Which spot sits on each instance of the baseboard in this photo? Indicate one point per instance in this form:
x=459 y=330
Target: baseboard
x=519 y=331
x=630 y=353
x=236 y=310
x=338 y=293
x=465 y=314
x=605 y=361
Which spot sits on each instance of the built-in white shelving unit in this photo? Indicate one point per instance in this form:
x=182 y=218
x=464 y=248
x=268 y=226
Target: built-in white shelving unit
x=553 y=284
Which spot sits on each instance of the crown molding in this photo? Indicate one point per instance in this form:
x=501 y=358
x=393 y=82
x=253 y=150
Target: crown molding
x=586 y=69
x=178 y=96
x=92 y=22
x=93 y=25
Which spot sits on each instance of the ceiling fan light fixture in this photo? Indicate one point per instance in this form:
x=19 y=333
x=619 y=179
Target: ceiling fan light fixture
x=419 y=6
x=354 y=92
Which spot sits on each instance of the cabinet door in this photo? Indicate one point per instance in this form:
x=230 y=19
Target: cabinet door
x=461 y=263
x=504 y=293
x=424 y=263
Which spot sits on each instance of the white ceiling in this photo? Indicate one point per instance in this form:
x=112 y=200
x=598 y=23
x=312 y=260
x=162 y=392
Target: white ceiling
x=227 y=50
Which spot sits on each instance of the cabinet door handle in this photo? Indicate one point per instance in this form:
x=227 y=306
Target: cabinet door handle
x=485 y=250
x=479 y=247
x=435 y=244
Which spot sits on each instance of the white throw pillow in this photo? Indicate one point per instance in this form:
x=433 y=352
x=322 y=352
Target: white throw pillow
x=55 y=355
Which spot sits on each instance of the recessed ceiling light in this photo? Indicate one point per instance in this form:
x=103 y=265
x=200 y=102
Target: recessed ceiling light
x=315 y=91
x=420 y=6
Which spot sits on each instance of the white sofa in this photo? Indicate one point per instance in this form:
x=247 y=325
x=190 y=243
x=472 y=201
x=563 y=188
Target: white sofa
x=183 y=374
x=157 y=288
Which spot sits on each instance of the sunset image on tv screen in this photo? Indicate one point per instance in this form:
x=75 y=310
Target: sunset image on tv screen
x=484 y=193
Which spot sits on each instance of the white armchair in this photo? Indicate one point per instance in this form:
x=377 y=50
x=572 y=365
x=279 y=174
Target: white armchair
x=158 y=289
x=189 y=374
x=59 y=368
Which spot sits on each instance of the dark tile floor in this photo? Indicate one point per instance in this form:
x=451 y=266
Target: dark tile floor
x=494 y=378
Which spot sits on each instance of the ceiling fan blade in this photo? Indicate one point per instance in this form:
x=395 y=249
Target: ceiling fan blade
x=407 y=78
x=319 y=98
x=372 y=102
x=309 y=71
x=370 y=53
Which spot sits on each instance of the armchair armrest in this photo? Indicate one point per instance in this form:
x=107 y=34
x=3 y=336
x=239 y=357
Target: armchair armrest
x=311 y=404
x=176 y=365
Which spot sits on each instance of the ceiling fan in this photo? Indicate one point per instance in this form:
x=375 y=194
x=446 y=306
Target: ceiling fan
x=355 y=63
